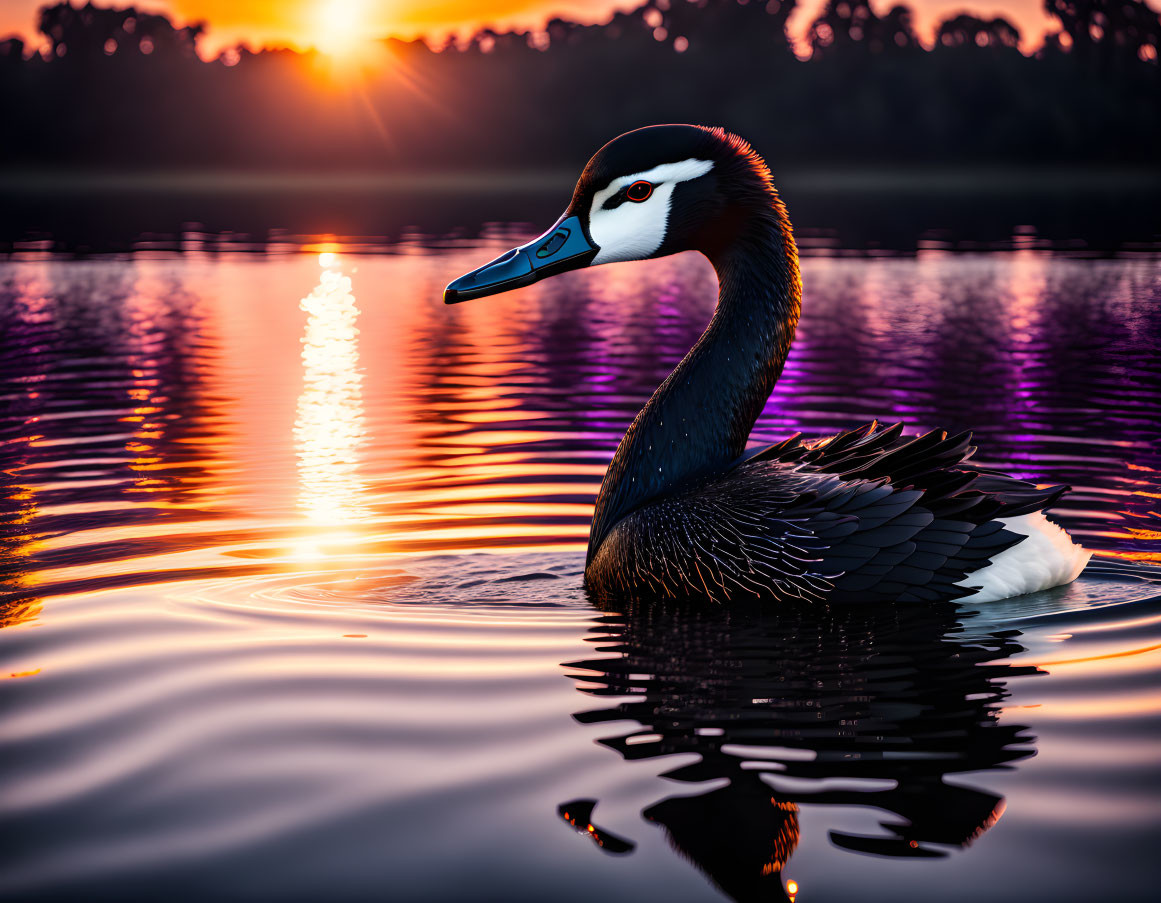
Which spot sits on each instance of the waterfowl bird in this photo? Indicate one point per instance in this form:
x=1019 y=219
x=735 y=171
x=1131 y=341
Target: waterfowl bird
x=867 y=515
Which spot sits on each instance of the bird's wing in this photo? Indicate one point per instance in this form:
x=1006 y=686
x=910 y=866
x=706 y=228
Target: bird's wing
x=867 y=515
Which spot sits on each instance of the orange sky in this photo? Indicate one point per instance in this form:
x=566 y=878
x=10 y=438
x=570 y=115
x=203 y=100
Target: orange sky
x=300 y=22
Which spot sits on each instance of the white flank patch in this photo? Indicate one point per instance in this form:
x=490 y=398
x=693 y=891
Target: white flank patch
x=1047 y=558
x=635 y=231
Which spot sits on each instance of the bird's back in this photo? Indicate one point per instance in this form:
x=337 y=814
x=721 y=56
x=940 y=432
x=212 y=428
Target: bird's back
x=868 y=515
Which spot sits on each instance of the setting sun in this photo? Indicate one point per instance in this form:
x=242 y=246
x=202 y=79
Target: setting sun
x=340 y=27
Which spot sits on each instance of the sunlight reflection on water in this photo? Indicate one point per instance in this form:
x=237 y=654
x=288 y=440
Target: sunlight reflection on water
x=287 y=586
x=328 y=429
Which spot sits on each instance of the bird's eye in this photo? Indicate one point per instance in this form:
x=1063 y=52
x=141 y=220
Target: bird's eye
x=639 y=191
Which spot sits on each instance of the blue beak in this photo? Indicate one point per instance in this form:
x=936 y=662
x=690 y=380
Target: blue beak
x=566 y=246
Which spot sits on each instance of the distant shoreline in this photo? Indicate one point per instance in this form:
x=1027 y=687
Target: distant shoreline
x=999 y=179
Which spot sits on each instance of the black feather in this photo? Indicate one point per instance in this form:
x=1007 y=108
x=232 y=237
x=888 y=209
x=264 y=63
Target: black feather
x=783 y=525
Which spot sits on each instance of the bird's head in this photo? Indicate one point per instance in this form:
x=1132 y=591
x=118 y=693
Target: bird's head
x=648 y=193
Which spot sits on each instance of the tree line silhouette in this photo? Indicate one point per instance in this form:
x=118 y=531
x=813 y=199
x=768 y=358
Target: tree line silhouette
x=119 y=88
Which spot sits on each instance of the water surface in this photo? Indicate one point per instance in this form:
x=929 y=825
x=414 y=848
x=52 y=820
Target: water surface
x=292 y=607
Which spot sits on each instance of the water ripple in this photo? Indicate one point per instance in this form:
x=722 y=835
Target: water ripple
x=292 y=554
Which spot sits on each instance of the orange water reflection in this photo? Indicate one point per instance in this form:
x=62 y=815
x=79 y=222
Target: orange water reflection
x=191 y=420
x=192 y=412
x=329 y=430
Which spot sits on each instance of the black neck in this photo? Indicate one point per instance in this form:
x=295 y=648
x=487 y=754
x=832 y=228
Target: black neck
x=699 y=419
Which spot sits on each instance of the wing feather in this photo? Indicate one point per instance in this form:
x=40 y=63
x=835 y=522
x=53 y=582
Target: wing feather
x=863 y=516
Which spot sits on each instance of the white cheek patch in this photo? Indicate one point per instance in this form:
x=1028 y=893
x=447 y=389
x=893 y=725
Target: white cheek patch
x=633 y=231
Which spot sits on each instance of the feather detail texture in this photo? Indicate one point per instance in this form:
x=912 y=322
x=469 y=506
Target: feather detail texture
x=866 y=516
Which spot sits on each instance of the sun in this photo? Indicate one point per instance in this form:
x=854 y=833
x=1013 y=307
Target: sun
x=340 y=27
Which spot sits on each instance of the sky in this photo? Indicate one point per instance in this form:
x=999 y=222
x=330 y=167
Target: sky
x=302 y=23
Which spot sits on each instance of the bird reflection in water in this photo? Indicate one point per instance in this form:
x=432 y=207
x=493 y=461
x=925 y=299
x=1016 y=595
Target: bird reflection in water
x=329 y=427
x=579 y=814
x=843 y=707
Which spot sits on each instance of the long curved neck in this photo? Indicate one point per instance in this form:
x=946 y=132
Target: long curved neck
x=699 y=419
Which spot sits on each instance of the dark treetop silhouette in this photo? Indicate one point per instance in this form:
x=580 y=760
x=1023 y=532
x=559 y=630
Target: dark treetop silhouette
x=122 y=88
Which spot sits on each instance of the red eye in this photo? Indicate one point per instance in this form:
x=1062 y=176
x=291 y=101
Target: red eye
x=639 y=191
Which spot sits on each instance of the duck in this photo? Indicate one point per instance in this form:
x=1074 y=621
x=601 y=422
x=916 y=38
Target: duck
x=685 y=512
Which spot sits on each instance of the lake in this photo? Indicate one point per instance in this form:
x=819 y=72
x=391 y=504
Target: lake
x=292 y=608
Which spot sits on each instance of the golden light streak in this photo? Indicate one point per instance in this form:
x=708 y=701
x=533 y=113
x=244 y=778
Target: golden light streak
x=329 y=430
x=1098 y=658
x=18 y=674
